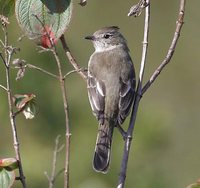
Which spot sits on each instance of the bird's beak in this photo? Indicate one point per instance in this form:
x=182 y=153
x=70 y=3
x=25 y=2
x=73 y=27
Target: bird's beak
x=90 y=37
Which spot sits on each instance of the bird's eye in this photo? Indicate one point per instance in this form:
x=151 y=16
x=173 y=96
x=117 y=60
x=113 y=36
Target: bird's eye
x=106 y=36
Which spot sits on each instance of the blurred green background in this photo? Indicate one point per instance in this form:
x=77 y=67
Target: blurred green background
x=165 y=149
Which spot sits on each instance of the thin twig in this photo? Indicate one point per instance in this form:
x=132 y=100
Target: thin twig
x=57 y=149
x=43 y=49
x=41 y=70
x=67 y=126
x=1 y=42
x=72 y=71
x=8 y=54
x=172 y=47
x=65 y=105
x=71 y=59
x=3 y=59
x=140 y=91
x=3 y=87
x=59 y=172
x=21 y=37
x=47 y=176
x=127 y=144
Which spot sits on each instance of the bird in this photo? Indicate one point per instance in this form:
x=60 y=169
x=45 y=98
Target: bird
x=111 y=88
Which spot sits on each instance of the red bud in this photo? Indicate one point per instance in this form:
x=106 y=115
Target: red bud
x=48 y=38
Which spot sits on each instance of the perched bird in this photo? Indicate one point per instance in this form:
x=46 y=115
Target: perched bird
x=111 y=88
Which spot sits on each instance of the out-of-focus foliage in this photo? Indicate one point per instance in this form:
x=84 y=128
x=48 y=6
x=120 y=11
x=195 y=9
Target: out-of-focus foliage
x=7 y=7
x=7 y=178
x=7 y=174
x=25 y=103
x=45 y=21
x=165 y=151
x=8 y=163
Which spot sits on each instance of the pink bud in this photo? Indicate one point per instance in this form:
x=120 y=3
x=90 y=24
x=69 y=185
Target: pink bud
x=48 y=38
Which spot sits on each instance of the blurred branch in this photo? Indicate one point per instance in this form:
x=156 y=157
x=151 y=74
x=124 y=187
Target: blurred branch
x=141 y=90
x=3 y=87
x=57 y=149
x=194 y=185
x=127 y=144
x=172 y=47
x=71 y=59
x=8 y=50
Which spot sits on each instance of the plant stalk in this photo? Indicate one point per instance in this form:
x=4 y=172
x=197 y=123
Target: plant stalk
x=67 y=126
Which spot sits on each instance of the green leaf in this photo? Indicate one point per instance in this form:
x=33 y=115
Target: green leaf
x=21 y=100
x=7 y=178
x=7 y=7
x=30 y=110
x=44 y=20
x=26 y=104
x=9 y=163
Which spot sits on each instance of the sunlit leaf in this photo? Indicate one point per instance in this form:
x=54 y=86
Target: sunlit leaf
x=44 y=20
x=7 y=178
x=7 y=7
x=30 y=110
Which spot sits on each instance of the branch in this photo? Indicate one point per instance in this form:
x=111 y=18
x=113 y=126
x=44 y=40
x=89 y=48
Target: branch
x=3 y=87
x=4 y=62
x=57 y=149
x=67 y=127
x=41 y=70
x=65 y=103
x=172 y=47
x=71 y=59
x=72 y=71
x=141 y=90
x=128 y=139
x=7 y=60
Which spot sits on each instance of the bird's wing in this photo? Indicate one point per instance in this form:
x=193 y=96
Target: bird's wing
x=127 y=93
x=96 y=93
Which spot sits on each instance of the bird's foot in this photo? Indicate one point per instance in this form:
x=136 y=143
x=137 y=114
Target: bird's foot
x=123 y=132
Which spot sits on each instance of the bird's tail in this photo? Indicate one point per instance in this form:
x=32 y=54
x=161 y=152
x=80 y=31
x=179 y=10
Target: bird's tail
x=103 y=147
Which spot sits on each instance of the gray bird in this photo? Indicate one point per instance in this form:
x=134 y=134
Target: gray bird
x=111 y=88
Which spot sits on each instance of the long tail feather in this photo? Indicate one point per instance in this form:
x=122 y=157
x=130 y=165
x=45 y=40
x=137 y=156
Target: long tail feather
x=103 y=148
